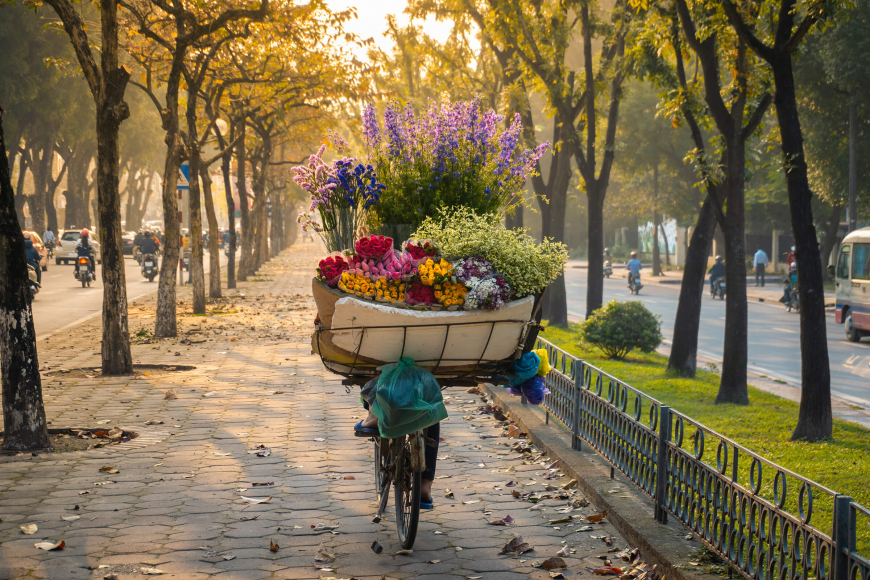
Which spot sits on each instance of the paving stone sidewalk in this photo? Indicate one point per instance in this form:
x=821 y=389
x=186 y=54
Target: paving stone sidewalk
x=177 y=504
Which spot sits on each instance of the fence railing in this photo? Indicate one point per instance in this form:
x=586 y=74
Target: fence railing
x=767 y=522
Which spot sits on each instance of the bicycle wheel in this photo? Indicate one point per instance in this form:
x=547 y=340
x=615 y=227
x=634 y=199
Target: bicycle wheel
x=382 y=463
x=407 y=493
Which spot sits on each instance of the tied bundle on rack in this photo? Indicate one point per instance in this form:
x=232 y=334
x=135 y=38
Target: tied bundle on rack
x=530 y=381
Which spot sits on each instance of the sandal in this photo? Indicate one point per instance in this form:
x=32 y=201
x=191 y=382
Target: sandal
x=360 y=431
x=427 y=505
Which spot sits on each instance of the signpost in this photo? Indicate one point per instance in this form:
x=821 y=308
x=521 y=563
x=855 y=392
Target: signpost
x=183 y=188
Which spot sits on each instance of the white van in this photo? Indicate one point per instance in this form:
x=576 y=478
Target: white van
x=852 y=279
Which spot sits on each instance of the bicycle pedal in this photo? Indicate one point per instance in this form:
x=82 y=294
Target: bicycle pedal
x=376 y=547
x=376 y=520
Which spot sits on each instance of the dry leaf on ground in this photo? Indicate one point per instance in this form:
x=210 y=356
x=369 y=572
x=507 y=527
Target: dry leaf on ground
x=170 y=394
x=607 y=571
x=273 y=546
x=256 y=499
x=109 y=469
x=51 y=545
x=29 y=529
x=70 y=518
x=570 y=484
x=516 y=546
x=151 y=571
x=323 y=555
x=502 y=522
x=594 y=519
x=554 y=563
x=404 y=552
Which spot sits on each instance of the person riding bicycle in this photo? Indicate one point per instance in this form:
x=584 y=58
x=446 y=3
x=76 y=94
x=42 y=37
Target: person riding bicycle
x=85 y=249
x=633 y=268
x=716 y=272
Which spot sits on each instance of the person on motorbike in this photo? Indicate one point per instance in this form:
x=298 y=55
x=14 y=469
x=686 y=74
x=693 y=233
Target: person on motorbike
x=33 y=257
x=789 y=283
x=607 y=257
x=149 y=245
x=85 y=249
x=716 y=272
x=48 y=239
x=633 y=268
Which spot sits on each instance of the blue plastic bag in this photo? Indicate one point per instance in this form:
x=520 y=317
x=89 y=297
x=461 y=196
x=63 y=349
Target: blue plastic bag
x=407 y=398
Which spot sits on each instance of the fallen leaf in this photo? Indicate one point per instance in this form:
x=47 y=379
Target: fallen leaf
x=277 y=392
x=349 y=477
x=104 y=482
x=151 y=571
x=594 y=519
x=319 y=439
x=229 y=557
x=502 y=522
x=254 y=500
x=154 y=422
x=248 y=518
x=273 y=546
x=516 y=494
x=85 y=492
x=222 y=454
x=261 y=483
x=104 y=421
x=562 y=520
x=323 y=555
x=470 y=502
x=511 y=484
x=553 y=563
x=50 y=545
x=607 y=571
x=321 y=527
x=109 y=469
x=516 y=546
x=70 y=518
x=170 y=394
x=210 y=394
x=570 y=484
x=434 y=561
x=29 y=529
x=404 y=552
x=556 y=575
x=448 y=493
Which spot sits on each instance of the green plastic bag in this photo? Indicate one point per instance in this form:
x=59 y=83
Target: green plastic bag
x=407 y=398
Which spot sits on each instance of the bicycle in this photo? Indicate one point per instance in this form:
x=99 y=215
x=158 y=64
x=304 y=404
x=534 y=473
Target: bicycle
x=399 y=463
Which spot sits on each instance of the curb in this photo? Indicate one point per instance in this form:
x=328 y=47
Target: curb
x=630 y=512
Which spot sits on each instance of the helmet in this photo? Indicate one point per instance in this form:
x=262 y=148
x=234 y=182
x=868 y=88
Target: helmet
x=634 y=254
x=718 y=258
x=26 y=235
x=606 y=250
x=793 y=264
x=792 y=248
x=85 y=233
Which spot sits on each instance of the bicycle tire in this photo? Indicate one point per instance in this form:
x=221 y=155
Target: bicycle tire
x=381 y=463
x=406 y=486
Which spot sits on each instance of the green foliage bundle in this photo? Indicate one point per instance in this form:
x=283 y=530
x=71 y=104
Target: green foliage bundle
x=620 y=327
x=528 y=267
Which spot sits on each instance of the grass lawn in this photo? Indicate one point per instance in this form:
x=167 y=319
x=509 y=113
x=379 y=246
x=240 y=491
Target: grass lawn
x=764 y=426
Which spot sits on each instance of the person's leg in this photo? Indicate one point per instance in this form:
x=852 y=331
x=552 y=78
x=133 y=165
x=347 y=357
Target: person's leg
x=762 y=275
x=38 y=275
x=428 y=476
x=756 y=275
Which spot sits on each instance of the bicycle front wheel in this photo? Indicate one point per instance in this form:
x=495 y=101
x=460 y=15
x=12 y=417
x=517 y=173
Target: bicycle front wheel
x=407 y=494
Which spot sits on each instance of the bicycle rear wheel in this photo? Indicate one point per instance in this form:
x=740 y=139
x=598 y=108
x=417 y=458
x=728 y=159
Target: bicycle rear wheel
x=382 y=463
x=407 y=493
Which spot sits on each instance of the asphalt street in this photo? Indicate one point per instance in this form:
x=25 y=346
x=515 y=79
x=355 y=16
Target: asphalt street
x=774 y=334
x=62 y=302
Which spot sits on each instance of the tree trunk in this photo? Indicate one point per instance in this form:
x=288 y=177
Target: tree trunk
x=247 y=229
x=557 y=301
x=76 y=214
x=231 y=219
x=853 y=162
x=665 y=240
x=732 y=384
x=23 y=410
x=20 y=198
x=595 y=220
x=684 y=349
x=214 y=257
x=41 y=177
x=815 y=420
x=830 y=239
x=656 y=253
x=197 y=271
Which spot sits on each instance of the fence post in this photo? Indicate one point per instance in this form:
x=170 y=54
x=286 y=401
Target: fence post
x=575 y=428
x=843 y=537
x=661 y=514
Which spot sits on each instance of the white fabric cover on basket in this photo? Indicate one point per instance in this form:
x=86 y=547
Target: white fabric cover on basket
x=465 y=343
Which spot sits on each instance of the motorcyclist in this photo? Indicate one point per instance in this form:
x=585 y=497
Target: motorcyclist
x=633 y=268
x=607 y=257
x=33 y=257
x=149 y=245
x=789 y=259
x=48 y=239
x=85 y=249
x=717 y=271
x=789 y=283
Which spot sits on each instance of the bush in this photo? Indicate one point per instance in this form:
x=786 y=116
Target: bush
x=620 y=327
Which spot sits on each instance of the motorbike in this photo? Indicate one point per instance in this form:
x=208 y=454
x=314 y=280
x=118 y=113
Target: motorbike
x=34 y=285
x=83 y=271
x=186 y=260
x=634 y=284
x=790 y=297
x=718 y=288
x=149 y=267
x=50 y=247
x=608 y=269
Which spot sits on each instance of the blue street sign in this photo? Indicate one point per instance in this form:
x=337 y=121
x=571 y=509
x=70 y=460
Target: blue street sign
x=184 y=176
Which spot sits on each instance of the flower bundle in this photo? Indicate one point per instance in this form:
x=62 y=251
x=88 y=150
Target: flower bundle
x=471 y=271
x=356 y=283
x=450 y=294
x=391 y=266
x=341 y=195
x=420 y=250
x=329 y=270
x=390 y=290
x=490 y=294
x=374 y=247
x=432 y=272
x=455 y=154
x=419 y=294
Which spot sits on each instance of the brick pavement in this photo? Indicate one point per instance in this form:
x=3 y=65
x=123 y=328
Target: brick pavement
x=176 y=503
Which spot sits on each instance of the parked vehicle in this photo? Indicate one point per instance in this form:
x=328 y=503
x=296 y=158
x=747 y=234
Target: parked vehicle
x=634 y=284
x=608 y=269
x=149 y=267
x=83 y=271
x=66 y=248
x=127 y=243
x=852 y=282
x=40 y=247
x=34 y=285
x=718 y=288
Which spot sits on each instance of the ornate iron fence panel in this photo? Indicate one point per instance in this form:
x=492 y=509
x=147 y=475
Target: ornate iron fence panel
x=766 y=521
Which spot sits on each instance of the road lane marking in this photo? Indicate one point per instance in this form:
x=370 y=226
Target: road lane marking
x=786 y=330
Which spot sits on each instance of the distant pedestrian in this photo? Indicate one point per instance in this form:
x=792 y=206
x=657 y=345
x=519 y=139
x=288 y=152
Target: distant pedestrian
x=760 y=261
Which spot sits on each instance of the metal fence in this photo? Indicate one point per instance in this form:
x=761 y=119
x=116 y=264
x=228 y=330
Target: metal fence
x=766 y=521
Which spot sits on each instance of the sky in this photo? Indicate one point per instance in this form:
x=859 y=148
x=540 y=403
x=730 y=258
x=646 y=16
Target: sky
x=371 y=19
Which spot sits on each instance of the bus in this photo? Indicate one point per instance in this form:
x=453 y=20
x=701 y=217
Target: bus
x=852 y=280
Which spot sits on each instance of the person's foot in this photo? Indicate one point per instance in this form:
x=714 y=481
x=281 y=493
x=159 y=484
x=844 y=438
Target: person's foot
x=370 y=422
x=426 y=494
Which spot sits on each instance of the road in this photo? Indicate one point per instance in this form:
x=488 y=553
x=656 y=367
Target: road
x=774 y=334
x=63 y=303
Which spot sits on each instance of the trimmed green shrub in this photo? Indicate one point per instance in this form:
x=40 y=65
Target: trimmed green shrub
x=620 y=327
